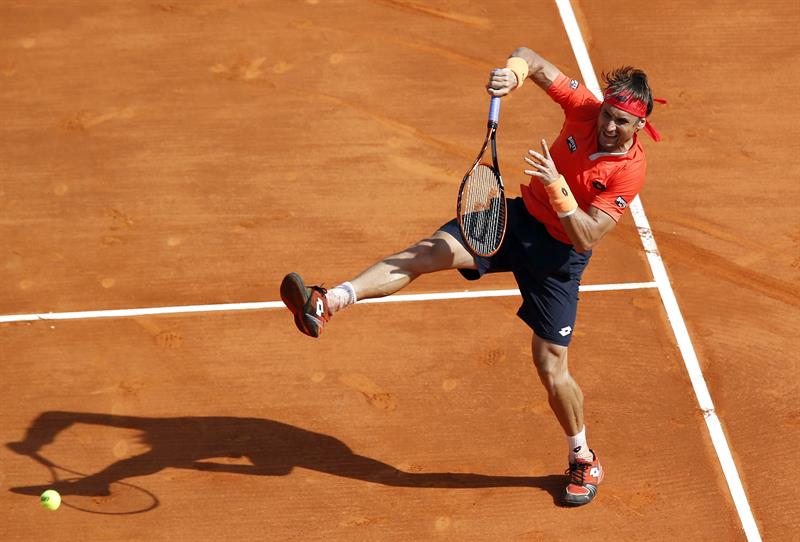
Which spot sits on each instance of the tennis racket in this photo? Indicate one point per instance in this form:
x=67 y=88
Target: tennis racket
x=481 y=208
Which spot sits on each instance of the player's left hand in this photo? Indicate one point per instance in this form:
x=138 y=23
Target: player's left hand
x=543 y=167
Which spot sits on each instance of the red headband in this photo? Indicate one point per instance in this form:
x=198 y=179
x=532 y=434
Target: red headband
x=629 y=104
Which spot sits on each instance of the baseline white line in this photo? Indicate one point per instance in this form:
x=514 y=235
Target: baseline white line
x=123 y=313
x=670 y=304
x=504 y=293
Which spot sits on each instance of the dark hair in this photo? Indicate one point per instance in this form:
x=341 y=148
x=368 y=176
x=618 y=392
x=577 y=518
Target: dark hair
x=632 y=81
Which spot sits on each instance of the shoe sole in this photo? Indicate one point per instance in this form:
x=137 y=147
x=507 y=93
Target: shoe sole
x=299 y=325
x=580 y=500
x=294 y=295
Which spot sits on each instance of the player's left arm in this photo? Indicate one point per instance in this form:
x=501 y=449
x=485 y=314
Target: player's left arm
x=586 y=229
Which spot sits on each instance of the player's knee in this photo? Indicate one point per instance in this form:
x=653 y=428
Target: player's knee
x=430 y=255
x=551 y=365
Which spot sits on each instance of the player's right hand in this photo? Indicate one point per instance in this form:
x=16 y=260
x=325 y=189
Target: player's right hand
x=501 y=82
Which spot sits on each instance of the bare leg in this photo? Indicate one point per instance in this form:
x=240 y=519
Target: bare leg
x=435 y=253
x=563 y=393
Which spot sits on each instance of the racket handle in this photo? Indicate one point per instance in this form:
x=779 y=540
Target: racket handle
x=494 y=110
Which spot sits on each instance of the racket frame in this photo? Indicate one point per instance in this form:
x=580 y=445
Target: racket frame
x=489 y=140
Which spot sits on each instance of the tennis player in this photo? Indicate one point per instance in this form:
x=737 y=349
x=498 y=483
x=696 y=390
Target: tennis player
x=579 y=188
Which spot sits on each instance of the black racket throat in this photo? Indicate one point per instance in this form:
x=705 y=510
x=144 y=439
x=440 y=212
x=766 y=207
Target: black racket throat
x=493 y=141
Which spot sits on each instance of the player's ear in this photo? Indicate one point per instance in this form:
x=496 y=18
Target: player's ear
x=640 y=124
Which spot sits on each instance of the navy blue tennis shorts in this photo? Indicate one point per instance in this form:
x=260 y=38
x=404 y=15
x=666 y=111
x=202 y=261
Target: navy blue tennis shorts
x=547 y=271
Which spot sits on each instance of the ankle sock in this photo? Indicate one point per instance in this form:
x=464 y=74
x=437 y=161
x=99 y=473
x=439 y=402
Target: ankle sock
x=341 y=296
x=578 y=447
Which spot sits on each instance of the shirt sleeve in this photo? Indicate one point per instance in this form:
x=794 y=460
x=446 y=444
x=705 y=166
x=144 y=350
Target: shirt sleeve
x=575 y=99
x=620 y=190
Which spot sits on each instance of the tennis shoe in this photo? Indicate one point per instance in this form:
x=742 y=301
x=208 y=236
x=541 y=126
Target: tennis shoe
x=308 y=304
x=583 y=478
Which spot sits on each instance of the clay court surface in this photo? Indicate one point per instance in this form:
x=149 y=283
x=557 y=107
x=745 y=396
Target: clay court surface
x=193 y=152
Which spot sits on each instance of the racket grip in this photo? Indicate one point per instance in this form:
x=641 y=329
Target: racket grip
x=494 y=110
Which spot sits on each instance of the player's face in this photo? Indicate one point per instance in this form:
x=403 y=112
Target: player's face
x=615 y=128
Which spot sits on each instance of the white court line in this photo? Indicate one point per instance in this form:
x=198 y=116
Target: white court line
x=124 y=313
x=670 y=304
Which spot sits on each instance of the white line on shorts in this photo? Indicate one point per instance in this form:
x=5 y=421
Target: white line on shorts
x=125 y=313
x=670 y=303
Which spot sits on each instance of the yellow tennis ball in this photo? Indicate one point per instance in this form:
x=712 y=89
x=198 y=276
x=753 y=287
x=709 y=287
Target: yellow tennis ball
x=50 y=499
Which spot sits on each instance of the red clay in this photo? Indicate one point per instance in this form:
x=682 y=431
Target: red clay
x=194 y=152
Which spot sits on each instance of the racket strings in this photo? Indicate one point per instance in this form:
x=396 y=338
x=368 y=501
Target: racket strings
x=483 y=210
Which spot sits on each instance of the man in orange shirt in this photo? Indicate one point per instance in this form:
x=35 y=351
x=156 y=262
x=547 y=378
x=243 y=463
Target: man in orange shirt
x=578 y=190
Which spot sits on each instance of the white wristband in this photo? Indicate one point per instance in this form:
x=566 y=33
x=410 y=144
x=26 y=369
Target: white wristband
x=564 y=215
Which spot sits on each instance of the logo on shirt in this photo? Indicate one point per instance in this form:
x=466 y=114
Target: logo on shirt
x=571 y=144
x=621 y=203
x=574 y=84
x=598 y=185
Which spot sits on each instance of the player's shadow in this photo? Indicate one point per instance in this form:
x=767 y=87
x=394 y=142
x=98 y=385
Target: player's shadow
x=273 y=449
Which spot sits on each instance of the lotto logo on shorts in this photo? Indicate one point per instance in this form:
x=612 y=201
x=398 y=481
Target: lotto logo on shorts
x=574 y=84
x=621 y=203
x=571 y=144
x=564 y=331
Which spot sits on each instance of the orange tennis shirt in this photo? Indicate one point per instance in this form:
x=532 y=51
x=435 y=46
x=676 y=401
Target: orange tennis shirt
x=608 y=181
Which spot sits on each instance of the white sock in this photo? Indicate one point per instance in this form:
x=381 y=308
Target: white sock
x=578 y=446
x=341 y=296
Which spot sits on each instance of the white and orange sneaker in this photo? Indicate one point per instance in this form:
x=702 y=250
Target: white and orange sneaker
x=583 y=478
x=308 y=304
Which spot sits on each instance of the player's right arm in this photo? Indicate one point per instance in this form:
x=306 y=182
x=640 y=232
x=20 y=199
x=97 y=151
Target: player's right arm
x=543 y=73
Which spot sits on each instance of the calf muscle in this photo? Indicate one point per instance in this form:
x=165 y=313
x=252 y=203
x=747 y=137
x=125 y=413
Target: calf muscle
x=436 y=253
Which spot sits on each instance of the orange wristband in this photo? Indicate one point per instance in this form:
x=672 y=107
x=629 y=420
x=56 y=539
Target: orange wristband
x=519 y=67
x=561 y=198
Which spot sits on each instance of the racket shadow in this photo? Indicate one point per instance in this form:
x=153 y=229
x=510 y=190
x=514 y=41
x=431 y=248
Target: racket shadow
x=273 y=449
